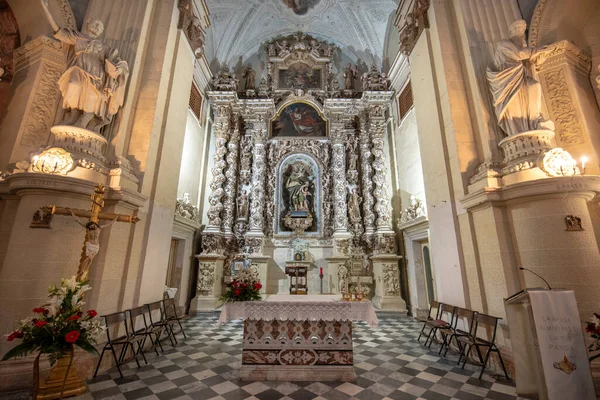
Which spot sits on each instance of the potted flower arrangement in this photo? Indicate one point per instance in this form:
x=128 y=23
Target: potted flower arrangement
x=244 y=287
x=593 y=328
x=54 y=329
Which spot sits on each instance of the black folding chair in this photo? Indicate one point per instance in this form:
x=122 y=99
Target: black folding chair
x=158 y=320
x=464 y=318
x=444 y=320
x=431 y=316
x=172 y=318
x=138 y=319
x=118 y=323
x=487 y=323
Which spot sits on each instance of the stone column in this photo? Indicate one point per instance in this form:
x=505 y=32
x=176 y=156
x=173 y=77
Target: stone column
x=232 y=177
x=340 y=208
x=259 y=160
x=221 y=131
x=366 y=178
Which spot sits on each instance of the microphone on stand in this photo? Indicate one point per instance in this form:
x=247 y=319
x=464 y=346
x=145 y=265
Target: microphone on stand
x=546 y=282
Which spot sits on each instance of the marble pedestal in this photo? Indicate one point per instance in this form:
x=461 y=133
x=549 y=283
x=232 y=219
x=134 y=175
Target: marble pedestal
x=387 y=283
x=208 y=296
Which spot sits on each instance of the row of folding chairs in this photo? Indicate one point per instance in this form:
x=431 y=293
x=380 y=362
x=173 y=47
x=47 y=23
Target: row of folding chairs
x=127 y=331
x=446 y=323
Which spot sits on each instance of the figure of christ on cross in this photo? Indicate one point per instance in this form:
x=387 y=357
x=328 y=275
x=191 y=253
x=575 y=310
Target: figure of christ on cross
x=91 y=245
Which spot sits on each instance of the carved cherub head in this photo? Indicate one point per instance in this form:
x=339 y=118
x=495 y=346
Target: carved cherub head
x=95 y=28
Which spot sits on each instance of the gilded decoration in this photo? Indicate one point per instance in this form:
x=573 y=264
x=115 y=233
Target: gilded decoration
x=573 y=223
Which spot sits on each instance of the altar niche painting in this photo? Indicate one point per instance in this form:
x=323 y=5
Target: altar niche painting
x=301 y=7
x=300 y=76
x=298 y=120
x=298 y=191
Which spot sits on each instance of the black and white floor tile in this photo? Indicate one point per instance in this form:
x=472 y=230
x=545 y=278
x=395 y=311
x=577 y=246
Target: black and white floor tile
x=389 y=363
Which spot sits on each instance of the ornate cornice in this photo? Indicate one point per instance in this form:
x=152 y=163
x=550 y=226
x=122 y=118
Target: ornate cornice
x=40 y=47
x=566 y=52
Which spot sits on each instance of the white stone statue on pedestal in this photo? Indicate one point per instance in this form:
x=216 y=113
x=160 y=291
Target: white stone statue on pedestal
x=517 y=94
x=93 y=86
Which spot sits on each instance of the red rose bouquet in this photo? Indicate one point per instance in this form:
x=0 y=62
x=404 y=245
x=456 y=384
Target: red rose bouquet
x=58 y=325
x=244 y=287
x=593 y=329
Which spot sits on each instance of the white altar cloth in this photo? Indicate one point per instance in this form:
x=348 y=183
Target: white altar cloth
x=300 y=308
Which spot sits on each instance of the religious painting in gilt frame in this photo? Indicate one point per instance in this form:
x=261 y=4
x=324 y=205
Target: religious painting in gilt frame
x=298 y=120
x=300 y=7
x=300 y=76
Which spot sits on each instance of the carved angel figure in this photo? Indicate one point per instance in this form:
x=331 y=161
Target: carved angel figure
x=284 y=48
x=314 y=48
x=516 y=92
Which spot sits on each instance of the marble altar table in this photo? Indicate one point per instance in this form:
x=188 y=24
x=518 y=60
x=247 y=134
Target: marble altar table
x=291 y=338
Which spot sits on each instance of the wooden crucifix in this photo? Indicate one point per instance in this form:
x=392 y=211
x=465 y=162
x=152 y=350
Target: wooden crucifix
x=91 y=245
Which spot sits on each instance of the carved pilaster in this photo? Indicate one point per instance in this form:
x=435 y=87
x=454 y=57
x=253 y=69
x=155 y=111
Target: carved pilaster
x=340 y=219
x=366 y=177
x=221 y=130
x=231 y=175
x=259 y=159
x=382 y=205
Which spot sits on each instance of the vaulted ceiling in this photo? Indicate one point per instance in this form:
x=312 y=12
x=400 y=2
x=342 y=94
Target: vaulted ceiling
x=239 y=28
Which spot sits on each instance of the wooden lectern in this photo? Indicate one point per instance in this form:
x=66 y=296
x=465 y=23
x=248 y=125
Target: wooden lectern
x=297 y=275
x=550 y=357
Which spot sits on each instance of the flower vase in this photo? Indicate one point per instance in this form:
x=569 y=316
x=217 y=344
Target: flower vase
x=63 y=380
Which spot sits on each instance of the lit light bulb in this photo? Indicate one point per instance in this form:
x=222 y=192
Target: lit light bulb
x=583 y=160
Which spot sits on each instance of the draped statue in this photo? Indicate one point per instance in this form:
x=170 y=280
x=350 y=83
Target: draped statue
x=299 y=188
x=93 y=86
x=516 y=92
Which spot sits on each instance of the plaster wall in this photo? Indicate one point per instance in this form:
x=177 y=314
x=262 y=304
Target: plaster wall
x=408 y=159
x=167 y=173
x=192 y=159
x=437 y=180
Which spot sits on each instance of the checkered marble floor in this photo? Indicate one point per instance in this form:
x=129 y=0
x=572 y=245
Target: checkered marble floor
x=389 y=362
